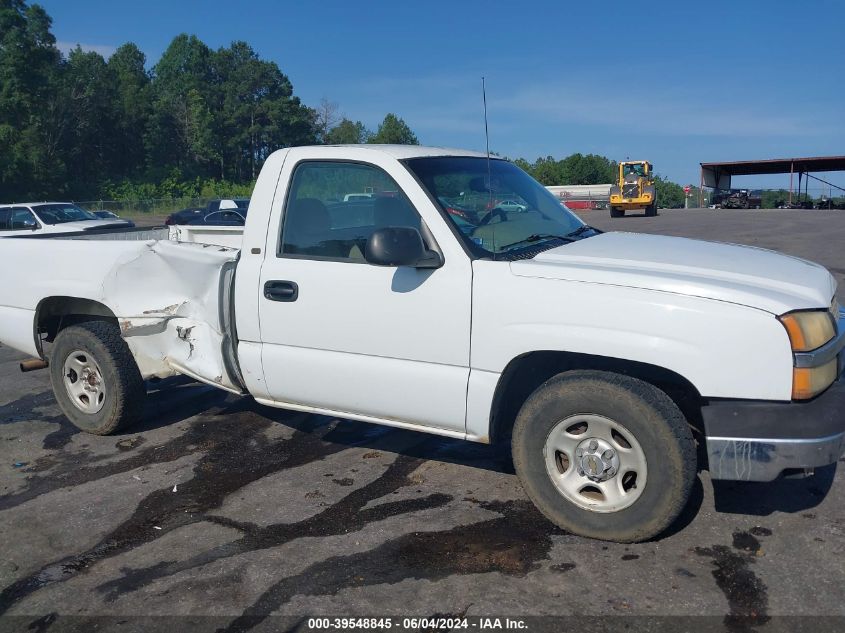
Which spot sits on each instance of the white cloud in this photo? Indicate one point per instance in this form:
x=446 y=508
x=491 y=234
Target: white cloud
x=103 y=49
x=452 y=104
x=670 y=113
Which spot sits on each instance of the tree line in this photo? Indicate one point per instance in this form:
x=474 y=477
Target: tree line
x=198 y=123
x=83 y=126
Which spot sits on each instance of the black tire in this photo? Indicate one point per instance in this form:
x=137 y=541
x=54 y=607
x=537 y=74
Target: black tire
x=123 y=393
x=651 y=417
x=616 y=213
x=651 y=210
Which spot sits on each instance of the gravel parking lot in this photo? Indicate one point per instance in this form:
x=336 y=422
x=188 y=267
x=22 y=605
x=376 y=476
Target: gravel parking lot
x=218 y=506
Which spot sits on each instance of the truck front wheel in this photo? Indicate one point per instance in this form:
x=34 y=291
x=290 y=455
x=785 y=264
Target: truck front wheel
x=95 y=378
x=616 y=212
x=604 y=455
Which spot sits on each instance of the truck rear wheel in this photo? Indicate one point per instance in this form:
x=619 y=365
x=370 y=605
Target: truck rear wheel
x=616 y=212
x=95 y=378
x=604 y=455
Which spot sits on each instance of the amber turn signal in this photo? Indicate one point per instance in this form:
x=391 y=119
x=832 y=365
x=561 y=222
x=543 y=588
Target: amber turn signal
x=808 y=382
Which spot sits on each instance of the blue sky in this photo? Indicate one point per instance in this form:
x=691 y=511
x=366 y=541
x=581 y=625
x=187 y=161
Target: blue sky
x=674 y=82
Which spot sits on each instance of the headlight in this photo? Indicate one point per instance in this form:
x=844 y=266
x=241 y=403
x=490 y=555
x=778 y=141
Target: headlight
x=808 y=330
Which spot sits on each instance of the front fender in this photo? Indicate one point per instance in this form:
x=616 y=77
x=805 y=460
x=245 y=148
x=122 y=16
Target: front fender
x=723 y=349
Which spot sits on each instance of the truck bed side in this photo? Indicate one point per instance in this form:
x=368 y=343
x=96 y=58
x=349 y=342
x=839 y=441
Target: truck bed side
x=169 y=299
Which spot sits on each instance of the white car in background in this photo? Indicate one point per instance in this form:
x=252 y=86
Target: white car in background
x=512 y=205
x=51 y=217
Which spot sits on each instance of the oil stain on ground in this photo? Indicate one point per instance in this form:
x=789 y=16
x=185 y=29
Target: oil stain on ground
x=347 y=515
x=512 y=544
x=235 y=452
x=747 y=595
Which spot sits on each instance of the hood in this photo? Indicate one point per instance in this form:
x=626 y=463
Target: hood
x=744 y=275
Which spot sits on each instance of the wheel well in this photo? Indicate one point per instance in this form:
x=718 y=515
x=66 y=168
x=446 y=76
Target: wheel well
x=525 y=373
x=54 y=314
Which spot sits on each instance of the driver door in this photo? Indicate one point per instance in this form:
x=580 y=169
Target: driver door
x=339 y=335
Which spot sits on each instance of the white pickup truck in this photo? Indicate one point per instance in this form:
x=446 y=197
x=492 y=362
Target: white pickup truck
x=426 y=306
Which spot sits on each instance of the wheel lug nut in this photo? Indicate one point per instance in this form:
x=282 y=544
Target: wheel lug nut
x=611 y=471
x=579 y=452
x=581 y=471
x=608 y=454
x=593 y=445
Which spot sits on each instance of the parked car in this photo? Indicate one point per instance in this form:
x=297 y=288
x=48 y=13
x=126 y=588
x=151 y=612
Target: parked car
x=592 y=355
x=194 y=215
x=219 y=218
x=184 y=216
x=51 y=217
x=512 y=205
x=111 y=215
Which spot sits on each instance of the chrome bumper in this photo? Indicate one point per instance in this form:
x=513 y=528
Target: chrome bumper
x=765 y=459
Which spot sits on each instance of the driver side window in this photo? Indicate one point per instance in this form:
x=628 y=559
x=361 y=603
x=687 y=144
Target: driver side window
x=334 y=207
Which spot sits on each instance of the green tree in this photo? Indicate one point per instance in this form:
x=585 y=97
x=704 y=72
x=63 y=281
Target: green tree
x=134 y=105
x=89 y=143
x=670 y=195
x=30 y=162
x=259 y=112
x=394 y=130
x=184 y=69
x=348 y=132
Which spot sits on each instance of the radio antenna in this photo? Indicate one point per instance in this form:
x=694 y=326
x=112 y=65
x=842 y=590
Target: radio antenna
x=487 y=140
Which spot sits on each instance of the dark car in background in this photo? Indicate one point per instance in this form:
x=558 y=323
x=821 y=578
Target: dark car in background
x=198 y=215
x=219 y=218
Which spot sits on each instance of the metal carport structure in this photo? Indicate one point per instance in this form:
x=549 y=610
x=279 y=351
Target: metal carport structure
x=718 y=175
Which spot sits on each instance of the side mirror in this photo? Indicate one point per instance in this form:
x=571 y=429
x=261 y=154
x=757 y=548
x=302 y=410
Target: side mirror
x=400 y=246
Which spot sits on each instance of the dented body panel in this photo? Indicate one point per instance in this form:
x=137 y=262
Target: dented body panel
x=166 y=297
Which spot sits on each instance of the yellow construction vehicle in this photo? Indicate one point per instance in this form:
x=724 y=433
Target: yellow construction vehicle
x=633 y=189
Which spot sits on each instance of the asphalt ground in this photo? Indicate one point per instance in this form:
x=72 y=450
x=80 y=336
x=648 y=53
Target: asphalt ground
x=216 y=506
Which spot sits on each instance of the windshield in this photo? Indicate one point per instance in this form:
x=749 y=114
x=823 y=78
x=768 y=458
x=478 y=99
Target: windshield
x=61 y=213
x=500 y=214
x=635 y=169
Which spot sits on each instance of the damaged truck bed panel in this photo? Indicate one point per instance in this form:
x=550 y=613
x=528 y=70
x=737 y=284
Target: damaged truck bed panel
x=182 y=332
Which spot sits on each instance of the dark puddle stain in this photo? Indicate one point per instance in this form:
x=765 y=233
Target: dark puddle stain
x=746 y=542
x=630 y=557
x=347 y=515
x=511 y=544
x=63 y=469
x=130 y=443
x=747 y=595
x=760 y=531
x=563 y=567
x=25 y=408
x=43 y=623
x=346 y=481
x=30 y=408
x=235 y=452
x=686 y=573
x=62 y=436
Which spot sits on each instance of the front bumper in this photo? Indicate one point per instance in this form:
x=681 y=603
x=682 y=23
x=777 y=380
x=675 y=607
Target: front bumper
x=757 y=441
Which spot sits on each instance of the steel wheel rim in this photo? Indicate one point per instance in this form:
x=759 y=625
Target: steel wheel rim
x=595 y=462
x=83 y=381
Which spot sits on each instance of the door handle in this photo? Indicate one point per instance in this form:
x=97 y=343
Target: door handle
x=281 y=290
